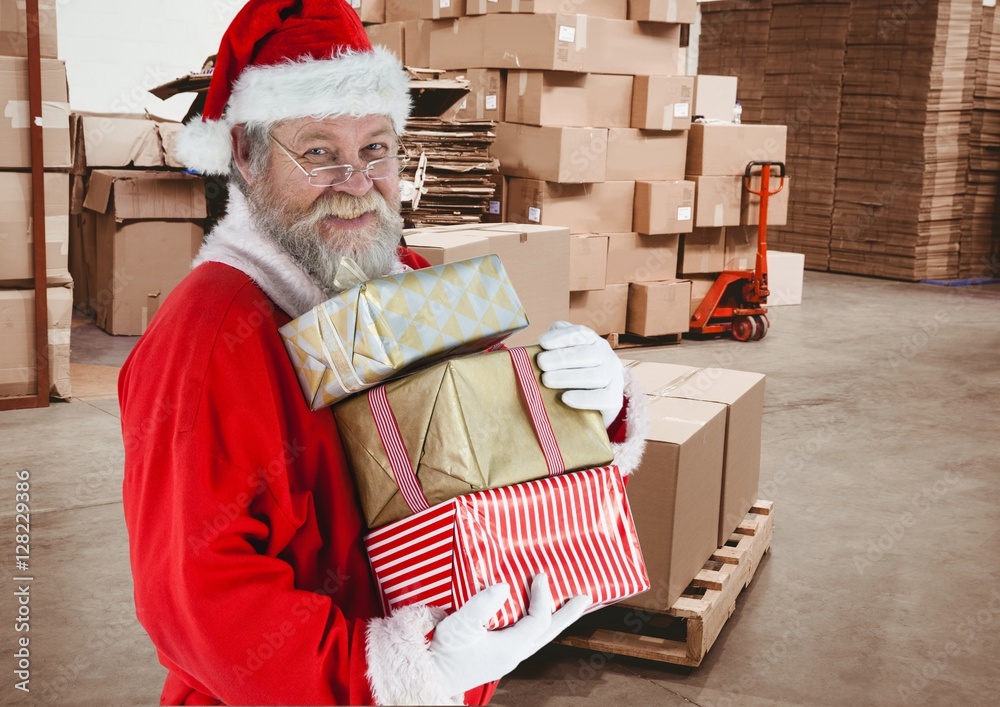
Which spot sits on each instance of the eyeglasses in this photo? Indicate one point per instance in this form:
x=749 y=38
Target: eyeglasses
x=331 y=176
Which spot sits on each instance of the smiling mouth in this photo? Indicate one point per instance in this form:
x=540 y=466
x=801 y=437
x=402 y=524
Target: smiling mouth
x=358 y=220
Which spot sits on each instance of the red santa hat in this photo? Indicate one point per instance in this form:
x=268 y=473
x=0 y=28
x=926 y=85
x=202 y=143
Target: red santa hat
x=283 y=59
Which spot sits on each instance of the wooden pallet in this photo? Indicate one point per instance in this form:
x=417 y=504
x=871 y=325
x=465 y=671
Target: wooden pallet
x=684 y=633
x=631 y=341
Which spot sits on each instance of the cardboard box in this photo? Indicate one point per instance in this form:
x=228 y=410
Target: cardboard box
x=149 y=228
x=370 y=11
x=777 y=204
x=603 y=311
x=537 y=261
x=742 y=394
x=588 y=262
x=564 y=155
x=717 y=201
x=663 y=207
x=402 y=10
x=646 y=154
x=703 y=251
x=15 y=141
x=741 y=248
x=390 y=35
x=440 y=247
x=417 y=40
x=714 y=97
x=556 y=42
x=16 y=237
x=675 y=495
x=633 y=257
x=680 y=11
x=583 y=208
x=487 y=99
x=718 y=149
x=567 y=99
x=699 y=289
x=436 y=9
x=662 y=102
x=109 y=140
x=14 y=28
x=784 y=277
x=612 y=9
x=477 y=7
x=658 y=308
x=17 y=342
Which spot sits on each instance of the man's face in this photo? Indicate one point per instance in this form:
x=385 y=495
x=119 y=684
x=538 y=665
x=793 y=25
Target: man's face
x=318 y=225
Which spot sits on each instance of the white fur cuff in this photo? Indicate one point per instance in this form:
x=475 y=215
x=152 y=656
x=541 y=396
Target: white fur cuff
x=628 y=454
x=401 y=669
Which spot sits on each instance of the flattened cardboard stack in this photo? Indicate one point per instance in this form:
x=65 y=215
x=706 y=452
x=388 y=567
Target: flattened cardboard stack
x=810 y=34
x=17 y=313
x=903 y=158
x=980 y=244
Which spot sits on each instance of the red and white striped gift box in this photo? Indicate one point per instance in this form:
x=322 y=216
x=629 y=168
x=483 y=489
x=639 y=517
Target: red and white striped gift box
x=577 y=528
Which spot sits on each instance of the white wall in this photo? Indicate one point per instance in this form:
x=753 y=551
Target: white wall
x=115 y=50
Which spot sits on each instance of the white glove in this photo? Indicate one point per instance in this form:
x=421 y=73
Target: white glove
x=469 y=656
x=583 y=364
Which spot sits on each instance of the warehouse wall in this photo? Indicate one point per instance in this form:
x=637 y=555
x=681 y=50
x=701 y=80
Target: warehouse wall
x=115 y=50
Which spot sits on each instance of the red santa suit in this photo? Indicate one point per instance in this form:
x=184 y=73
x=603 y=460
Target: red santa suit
x=244 y=527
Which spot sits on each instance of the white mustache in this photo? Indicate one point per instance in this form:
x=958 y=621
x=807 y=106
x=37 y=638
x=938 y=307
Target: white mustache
x=345 y=206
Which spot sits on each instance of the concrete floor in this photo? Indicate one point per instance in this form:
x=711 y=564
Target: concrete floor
x=880 y=453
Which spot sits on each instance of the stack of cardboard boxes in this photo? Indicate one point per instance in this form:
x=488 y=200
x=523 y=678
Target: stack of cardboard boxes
x=17 y=297
x=595 y=139
x=136 y=221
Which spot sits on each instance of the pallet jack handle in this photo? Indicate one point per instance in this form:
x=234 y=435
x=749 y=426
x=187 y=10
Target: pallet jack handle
x=758 y=289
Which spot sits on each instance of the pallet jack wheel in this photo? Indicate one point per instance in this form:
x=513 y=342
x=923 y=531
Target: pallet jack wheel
x=744 y=328
x=762 y=326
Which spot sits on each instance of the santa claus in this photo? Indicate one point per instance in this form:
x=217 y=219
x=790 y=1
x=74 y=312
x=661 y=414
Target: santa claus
x=244 y=528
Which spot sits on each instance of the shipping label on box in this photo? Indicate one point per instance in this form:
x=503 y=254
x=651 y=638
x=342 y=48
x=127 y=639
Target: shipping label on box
x=659 y=308
x=718 y=149
x=714 y=97
x=633 y=257
x=663 y=207
x=703 y=251
x=15 y=141
x=674 y=11
x=603 y=311
x=583 y=208
x=675 y=495
x=18 y=373
x=662 y=102
x=560 y=98
x=717 y=200
x=445 y=555
x=588 y=262
x=777 y=204
x=14 y=28
x=647 y=155
x=149 y=229
x=16 y=229
x=564 y=155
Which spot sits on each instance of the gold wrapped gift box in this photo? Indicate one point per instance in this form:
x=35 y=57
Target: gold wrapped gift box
x=465 y=427
x=385 y=327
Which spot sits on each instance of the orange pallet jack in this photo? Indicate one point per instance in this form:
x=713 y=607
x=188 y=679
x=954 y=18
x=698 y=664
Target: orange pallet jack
x=735 y=302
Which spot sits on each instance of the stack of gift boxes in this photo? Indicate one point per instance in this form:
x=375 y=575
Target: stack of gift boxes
x=470 y=472
x=596 y=140
x=17 y=297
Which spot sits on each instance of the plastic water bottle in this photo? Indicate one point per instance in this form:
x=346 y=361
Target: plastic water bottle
x=737 y=113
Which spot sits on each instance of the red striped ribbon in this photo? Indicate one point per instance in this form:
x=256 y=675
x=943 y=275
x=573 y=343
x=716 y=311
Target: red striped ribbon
x=525 y=373
x=392 y=441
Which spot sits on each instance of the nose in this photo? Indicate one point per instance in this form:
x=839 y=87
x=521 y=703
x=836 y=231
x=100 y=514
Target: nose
x=358 y=184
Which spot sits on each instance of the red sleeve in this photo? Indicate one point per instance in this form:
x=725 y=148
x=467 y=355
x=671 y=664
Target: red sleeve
x=252 y=587
x=414 y=260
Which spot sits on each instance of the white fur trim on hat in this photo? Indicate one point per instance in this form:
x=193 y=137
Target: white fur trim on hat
x=352 y=83
x=628 y=454
x=401 y=669
x=356 y=83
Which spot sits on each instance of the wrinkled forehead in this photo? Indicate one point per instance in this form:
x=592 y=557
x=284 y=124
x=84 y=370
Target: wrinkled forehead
x=344 y=131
